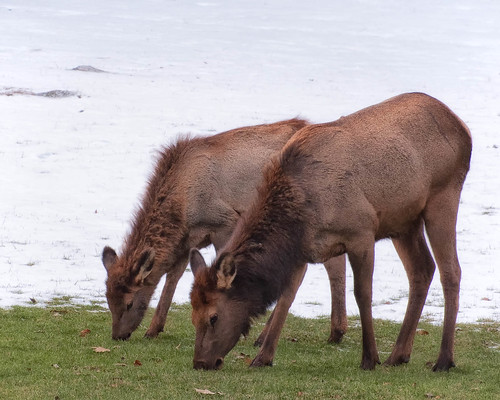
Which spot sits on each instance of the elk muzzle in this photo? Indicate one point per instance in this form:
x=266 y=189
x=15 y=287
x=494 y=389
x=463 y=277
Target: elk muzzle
x=203 y=364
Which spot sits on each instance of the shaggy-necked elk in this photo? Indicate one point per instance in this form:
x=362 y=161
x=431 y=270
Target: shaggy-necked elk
x=386 y=171
x=198 y=190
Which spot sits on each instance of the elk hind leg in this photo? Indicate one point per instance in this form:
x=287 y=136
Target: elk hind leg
x=440 y=217
x=419 y=265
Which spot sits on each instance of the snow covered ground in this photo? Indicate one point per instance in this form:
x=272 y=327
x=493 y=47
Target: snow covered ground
x=74 y=162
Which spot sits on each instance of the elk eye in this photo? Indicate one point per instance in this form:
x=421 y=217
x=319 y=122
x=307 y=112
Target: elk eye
x=213 y=319
x=129 y=305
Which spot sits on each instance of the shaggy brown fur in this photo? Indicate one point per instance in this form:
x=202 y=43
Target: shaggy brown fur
x=383 y=172
x=198 y=190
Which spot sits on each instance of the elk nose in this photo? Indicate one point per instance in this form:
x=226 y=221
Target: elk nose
x=218 y=363
x=122 y=337
x=200 y=364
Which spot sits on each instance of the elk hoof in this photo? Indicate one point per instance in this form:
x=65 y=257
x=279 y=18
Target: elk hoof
x=443 y=366
x=152 y=334
x=369 y=364
x=258 y=362
x=336 y=336
x=395 y=361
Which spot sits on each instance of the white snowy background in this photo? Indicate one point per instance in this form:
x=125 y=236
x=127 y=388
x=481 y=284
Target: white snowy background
x=74 y=163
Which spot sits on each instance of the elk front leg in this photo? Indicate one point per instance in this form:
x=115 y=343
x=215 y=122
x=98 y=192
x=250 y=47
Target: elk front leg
x=160 y=315
x=270 y=342
x=361 y=259
x=258 y=342
x=335 y=268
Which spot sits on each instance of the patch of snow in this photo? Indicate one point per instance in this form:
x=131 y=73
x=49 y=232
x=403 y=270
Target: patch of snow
x=73 y=167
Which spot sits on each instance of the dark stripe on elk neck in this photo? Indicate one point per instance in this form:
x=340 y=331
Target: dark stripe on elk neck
x=266 y=244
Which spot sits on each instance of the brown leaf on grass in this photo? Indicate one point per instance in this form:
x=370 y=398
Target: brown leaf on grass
x=100 y=349
x=204 y=391
x=137 y=363
x=245 y=357
x=84 y=333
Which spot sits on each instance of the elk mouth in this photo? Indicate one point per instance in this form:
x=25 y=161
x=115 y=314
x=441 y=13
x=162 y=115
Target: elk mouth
x=202 y=364
x=122 y=337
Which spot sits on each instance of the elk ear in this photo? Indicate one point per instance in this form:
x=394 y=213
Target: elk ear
x=226 y=271
x=145 y=265
x=108 y=257
x=196 y=261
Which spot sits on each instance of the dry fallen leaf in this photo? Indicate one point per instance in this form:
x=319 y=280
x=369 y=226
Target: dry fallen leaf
x=245 y=357
x=84 y=333
x=100 y=350
x=204 y=391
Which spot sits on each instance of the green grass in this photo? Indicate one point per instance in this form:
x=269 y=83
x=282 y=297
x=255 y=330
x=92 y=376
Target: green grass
x=43 y=356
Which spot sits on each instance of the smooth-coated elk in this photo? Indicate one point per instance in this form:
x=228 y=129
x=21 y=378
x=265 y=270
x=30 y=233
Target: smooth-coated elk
x=386 y=171
x=198 y=190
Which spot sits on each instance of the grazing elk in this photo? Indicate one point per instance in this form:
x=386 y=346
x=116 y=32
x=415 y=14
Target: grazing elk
x=383 y=172
x=197 y=192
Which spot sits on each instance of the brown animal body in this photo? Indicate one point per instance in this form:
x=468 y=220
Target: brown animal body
x=386 y=171
x=196 y=194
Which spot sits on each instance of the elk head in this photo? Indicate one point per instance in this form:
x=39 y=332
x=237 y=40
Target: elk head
x=126 y=290
x=219 y=318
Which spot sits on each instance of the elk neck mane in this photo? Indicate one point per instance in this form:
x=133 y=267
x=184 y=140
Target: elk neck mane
x=267 y=241
x=159 y=221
